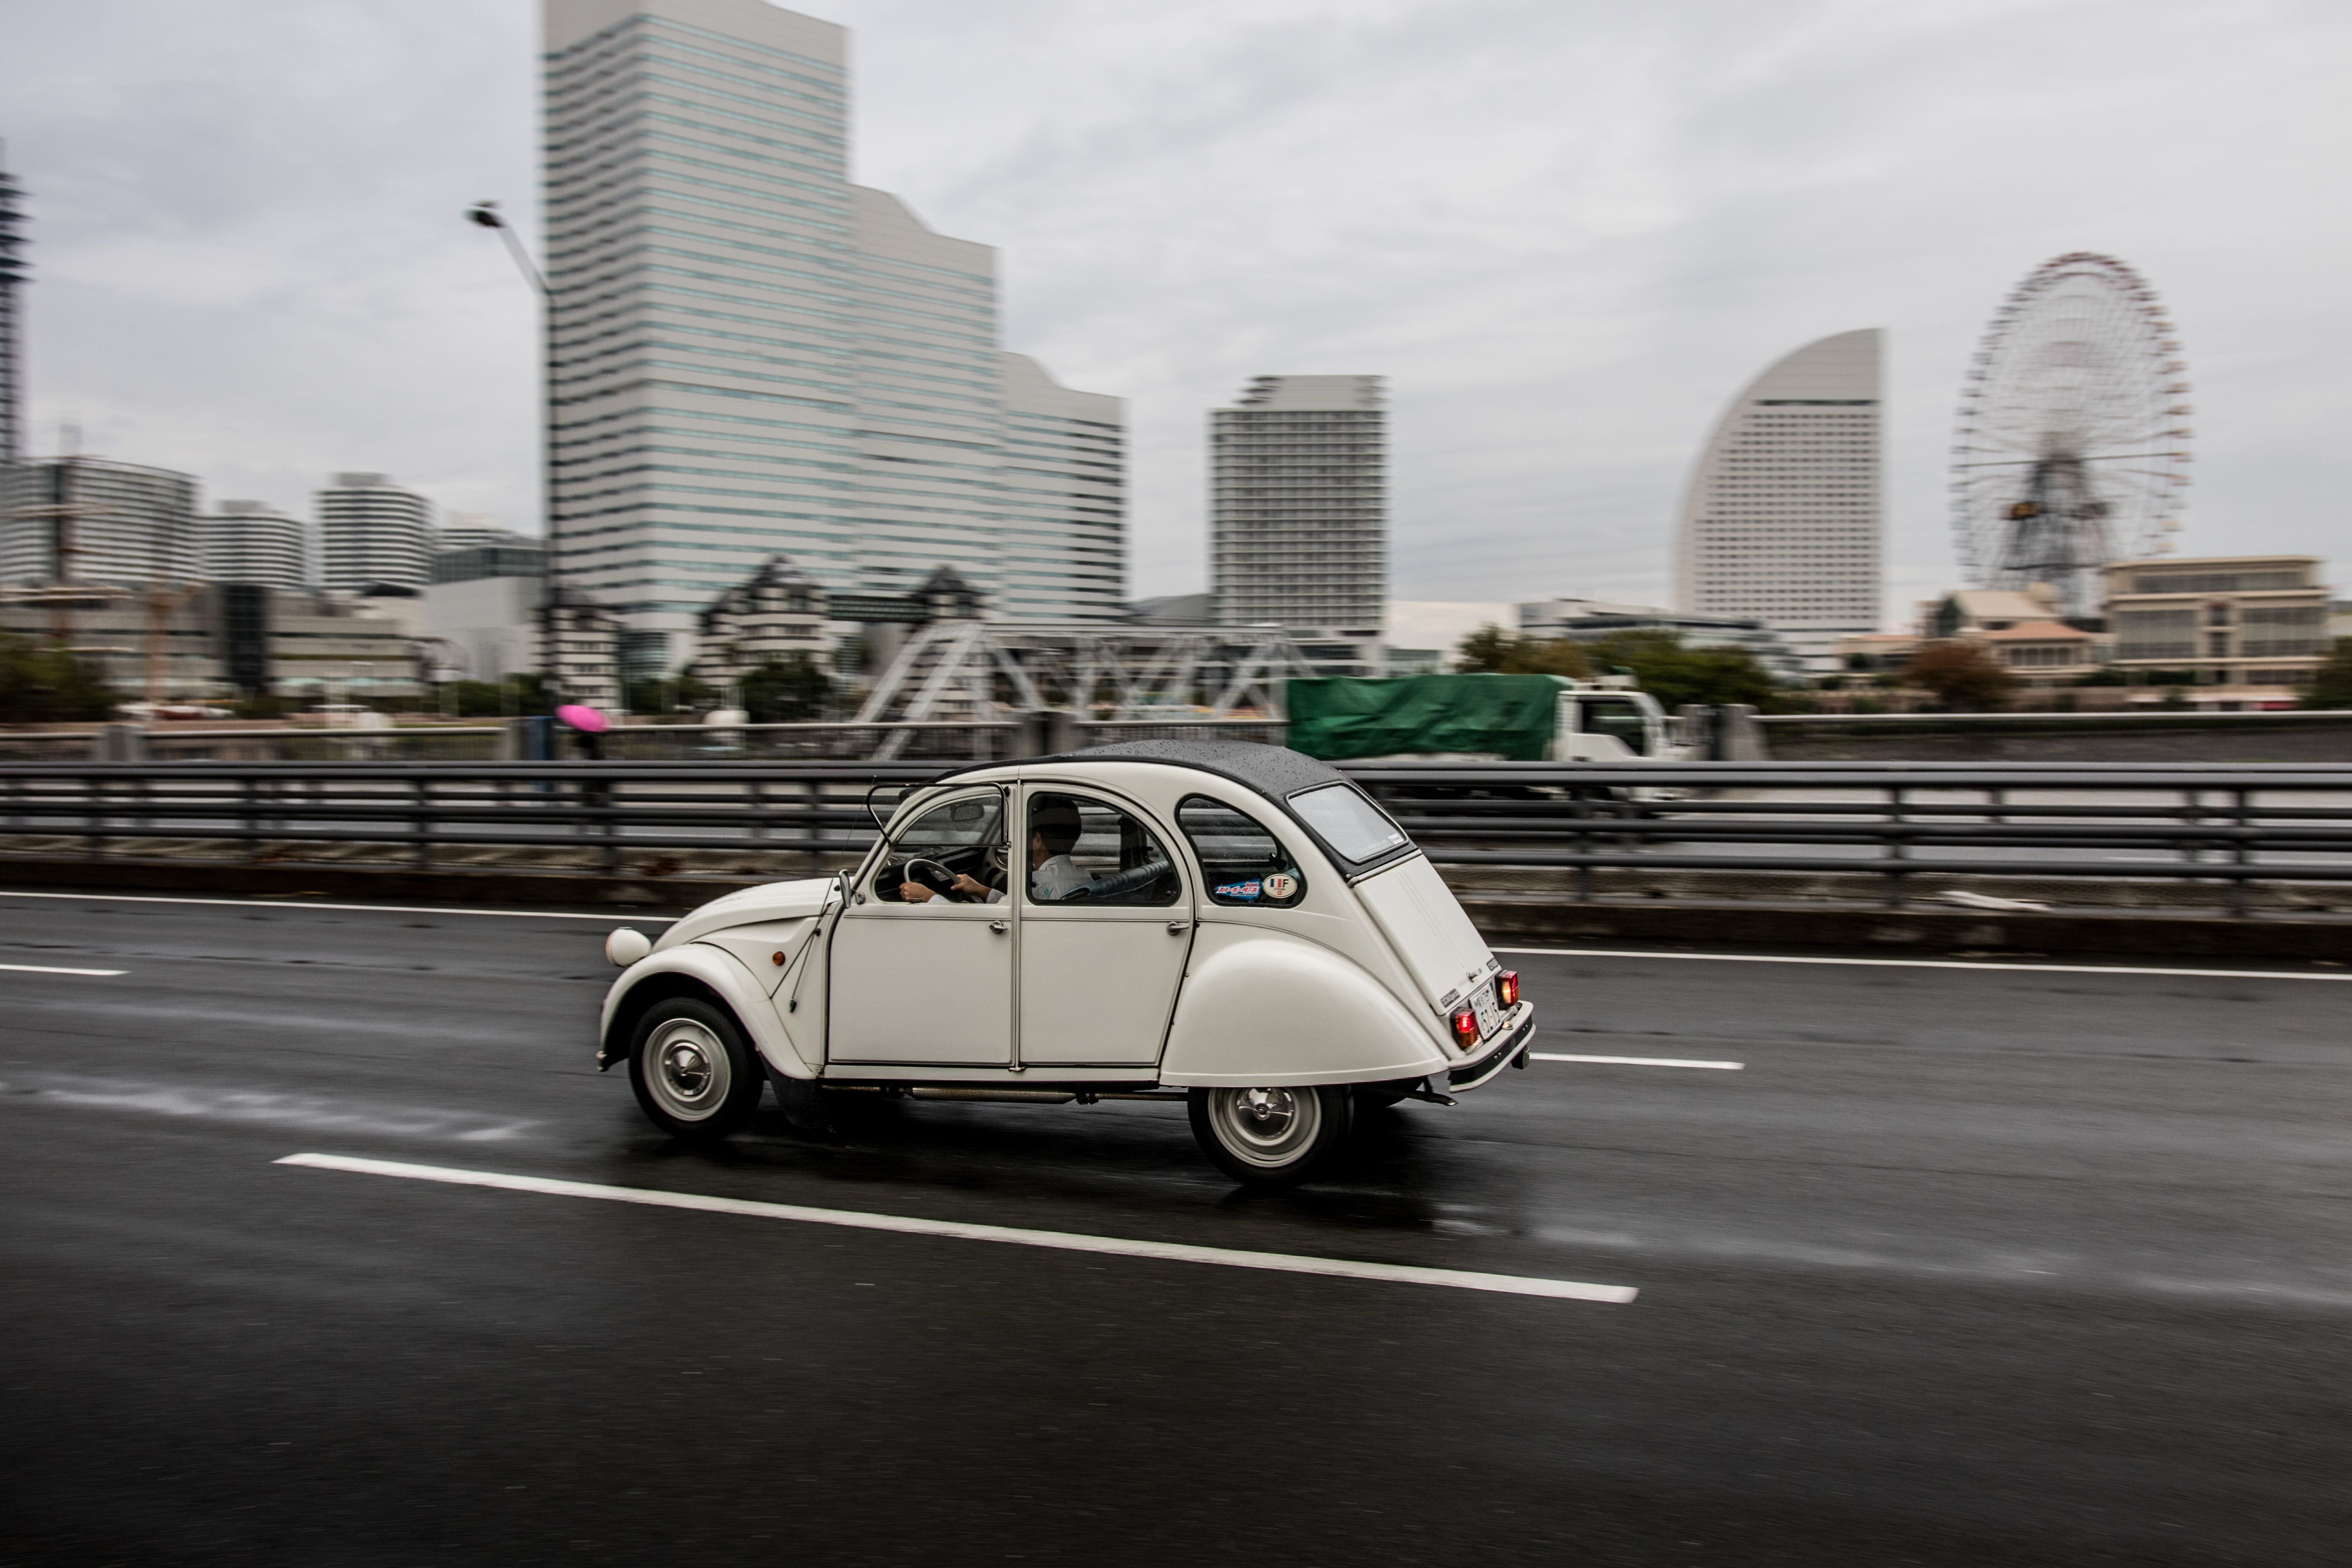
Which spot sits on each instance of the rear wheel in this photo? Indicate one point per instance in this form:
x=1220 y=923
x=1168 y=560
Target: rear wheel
x=1269 y=1138
x=693 y=1073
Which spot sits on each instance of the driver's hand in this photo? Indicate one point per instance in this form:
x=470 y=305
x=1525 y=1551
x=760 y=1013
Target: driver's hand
x=964 y=884
x=915 y=893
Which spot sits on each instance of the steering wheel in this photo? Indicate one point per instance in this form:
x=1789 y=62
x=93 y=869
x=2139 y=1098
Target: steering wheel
x=937 y=878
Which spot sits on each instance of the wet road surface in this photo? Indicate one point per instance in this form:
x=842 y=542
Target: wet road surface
x=1956 y=1266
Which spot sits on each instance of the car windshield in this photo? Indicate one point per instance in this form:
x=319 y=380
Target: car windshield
x=1349 y=822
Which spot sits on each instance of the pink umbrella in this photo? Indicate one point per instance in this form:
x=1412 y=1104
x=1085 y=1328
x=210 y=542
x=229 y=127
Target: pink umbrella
x=585 y=720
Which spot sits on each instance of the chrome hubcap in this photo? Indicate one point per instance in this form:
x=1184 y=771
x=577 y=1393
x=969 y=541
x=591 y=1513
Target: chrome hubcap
x=1266 y=1127
x=689 y=1073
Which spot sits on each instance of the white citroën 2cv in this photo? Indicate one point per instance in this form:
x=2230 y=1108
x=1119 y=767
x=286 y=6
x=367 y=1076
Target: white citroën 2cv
x=1235 y=926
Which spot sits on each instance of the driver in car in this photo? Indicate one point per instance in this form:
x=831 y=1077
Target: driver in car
x=1053 y=830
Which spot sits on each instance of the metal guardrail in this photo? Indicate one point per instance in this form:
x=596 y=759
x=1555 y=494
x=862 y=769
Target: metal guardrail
x=2233 y=827
x=942 y=741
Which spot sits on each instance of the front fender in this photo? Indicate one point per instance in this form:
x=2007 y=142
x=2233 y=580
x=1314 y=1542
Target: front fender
x=1261 y=1007
x=719 y=972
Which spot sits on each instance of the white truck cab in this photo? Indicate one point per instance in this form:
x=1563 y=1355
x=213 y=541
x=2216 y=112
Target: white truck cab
x=1606 y=720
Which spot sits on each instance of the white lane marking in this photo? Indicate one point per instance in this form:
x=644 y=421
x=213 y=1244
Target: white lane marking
x=1924 y=963
x=51 y=969
x=1638 y=1061
x=1065 y=1241
x=619 y=917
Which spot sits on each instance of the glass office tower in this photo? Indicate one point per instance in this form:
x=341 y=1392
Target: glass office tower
x=752 y=357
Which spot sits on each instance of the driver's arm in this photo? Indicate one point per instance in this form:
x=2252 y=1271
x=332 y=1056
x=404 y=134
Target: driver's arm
x=915 y=893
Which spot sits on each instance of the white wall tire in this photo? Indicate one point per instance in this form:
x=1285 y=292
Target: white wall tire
x=693 y=1073
x=1270 y=1136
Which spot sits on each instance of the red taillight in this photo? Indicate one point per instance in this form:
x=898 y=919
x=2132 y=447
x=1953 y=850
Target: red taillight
x=1506 y=988
x=1465 y=1029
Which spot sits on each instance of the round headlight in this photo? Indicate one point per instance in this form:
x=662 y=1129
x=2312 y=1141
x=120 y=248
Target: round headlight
x=626 y=946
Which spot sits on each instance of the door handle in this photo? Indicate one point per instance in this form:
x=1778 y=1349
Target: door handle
x=1177 y=928
x=999 y=927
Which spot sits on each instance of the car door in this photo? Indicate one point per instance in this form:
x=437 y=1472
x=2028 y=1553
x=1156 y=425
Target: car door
x=1106 y=924
x=928 y=983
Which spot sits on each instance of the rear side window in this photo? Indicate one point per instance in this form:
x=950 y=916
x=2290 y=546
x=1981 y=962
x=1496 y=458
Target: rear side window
x=1244 y=863
x=1349 y=822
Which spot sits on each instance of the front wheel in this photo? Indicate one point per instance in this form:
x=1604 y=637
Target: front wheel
x=694 y=1076
x=1269 y=1138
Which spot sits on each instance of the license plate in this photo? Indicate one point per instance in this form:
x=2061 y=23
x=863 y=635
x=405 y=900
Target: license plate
x=1489 y=1010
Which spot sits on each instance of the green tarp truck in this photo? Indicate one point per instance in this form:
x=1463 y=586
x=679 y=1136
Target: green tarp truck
x=1509 y=718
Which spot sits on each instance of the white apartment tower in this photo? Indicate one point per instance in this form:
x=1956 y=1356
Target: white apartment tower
x=371 y=531
x=1298 y=507
x=249 y=542
x=753 y=357
x=92 y=520
x=1783 y=518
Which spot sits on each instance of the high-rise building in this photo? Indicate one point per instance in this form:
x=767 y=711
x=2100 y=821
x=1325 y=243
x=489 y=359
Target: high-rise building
x=250 y=542
x=753 y=357
x=88 y=520
x=474 y=530
x=1782 y=520
x=1297 y=510
x=372 y=531
x=1064 y=539
x=12 y=354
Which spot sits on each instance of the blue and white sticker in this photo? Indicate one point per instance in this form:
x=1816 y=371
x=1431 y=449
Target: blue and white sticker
x=1281 y=886
x=1240 y=892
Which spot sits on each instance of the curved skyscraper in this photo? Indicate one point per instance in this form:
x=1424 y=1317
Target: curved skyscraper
x=1783 y=516
x=372 y=531
x=250 y=542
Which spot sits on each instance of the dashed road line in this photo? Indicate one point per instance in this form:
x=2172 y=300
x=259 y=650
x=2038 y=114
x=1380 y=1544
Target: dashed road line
x=1637 y=1062
x=1923 y=964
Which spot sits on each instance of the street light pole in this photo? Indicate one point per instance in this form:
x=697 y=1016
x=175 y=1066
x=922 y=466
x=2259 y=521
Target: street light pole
x=487 y=214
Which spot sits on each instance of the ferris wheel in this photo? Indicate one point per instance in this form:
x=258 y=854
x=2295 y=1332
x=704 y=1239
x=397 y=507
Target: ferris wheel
x=2073 y=447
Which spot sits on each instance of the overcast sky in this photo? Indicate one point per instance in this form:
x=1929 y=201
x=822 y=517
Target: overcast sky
x=1566 y=231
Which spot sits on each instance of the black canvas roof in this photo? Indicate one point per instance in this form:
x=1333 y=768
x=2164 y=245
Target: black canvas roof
x=1274 y=772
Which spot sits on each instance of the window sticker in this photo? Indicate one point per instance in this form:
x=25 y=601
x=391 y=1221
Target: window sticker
x=1245 y=863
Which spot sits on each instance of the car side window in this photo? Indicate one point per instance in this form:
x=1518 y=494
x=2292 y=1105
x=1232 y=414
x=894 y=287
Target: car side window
x=1244 y=861
x=961 y=835
x=1080 y=850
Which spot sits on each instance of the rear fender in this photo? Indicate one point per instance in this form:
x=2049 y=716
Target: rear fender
x=1263 y=1007
x=698 y=969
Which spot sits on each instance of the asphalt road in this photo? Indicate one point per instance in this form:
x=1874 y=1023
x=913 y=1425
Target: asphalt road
x=1959 y=1266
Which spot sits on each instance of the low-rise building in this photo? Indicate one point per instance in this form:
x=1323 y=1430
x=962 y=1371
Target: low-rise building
x=2253 y=622
x=489 y=623
x=2044 y=653
x=1871 y=653
x=2024 y=628
x=1589 y=620
x=228 y=638
x=779 y=612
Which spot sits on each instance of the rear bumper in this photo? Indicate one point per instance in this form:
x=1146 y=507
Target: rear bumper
x=1509 y=1049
